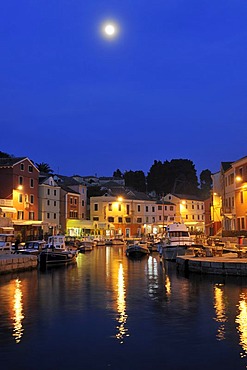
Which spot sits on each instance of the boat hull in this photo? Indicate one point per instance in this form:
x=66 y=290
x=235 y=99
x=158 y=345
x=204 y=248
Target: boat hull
x=57 y=257
x=137 y=251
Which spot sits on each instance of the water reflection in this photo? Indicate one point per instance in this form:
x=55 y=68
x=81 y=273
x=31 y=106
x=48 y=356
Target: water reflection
x=220 y=310
x=18 y=315
x=241 y=321
x=121 y=305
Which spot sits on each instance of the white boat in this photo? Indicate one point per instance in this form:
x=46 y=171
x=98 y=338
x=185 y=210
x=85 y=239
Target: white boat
x=176 y=241
x=6 y=241
x=32 y=247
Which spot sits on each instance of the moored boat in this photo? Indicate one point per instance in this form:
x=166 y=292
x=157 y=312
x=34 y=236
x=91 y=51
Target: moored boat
x=32 y=247
x=176 y=241
x=137 y=250
x=56 y=252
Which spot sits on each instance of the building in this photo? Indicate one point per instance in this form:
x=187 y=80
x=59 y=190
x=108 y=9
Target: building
x=189 y=210
x=19 y=193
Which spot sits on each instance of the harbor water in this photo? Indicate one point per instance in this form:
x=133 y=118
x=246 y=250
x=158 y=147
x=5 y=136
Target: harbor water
x=109 y=312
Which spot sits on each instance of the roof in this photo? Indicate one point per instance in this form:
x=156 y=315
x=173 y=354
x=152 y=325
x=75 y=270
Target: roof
x=226 y=165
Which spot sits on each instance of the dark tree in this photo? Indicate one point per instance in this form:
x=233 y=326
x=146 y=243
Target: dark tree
x=44 y=167
x=177 y=176
x=206 y=183
x=5 y=155
x=136 y=180
x=118 y=174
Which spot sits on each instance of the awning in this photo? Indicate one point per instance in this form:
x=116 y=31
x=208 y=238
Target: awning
x=29 y=223
x=7 y=210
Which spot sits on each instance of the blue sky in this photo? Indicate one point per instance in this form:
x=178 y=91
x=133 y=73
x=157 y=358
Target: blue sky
x=172 y=84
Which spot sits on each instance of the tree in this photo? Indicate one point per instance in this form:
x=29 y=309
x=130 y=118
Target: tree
x=177 y=176
x=136 y=180
x=118 y=174
x=5 y=155
x=44 y=167
x=206 y=183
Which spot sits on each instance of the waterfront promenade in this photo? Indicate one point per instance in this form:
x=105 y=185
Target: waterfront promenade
x=17 y=262
x=225 y=264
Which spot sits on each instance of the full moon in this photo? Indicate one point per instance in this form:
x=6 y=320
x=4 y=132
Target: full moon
x=110 y=29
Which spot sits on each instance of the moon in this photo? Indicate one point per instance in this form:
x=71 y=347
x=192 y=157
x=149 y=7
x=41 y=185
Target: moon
x=110 y=29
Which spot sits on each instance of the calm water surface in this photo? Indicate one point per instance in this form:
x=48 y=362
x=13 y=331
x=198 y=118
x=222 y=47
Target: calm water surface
x=110 y=312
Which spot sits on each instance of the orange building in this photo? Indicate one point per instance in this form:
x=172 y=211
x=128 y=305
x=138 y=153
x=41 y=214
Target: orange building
x=19 y=179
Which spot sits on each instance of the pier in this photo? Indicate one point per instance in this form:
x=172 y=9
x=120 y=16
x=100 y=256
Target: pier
x=226 y=264
x=17 y=262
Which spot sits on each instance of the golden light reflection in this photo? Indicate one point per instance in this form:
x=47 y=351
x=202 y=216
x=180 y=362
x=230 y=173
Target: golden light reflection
x=18 y=312
x=241 y=321
x=220 y=310
x=168 y=285
x=121 y=306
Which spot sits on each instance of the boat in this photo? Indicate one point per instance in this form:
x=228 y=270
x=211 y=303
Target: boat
x=115 y=241
x=99 y=242
x=6 y=241
x=138 y=249
x=32 y=247
x=56 y=252
x=176 y=241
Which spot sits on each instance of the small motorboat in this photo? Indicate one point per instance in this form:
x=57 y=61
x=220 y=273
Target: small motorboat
x=137 y=250
x=56 y=252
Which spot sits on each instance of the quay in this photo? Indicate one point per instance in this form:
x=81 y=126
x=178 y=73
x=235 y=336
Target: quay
x=17 y=262
x=225 y=264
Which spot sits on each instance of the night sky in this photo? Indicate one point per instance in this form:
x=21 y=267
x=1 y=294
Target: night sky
x=171 y=84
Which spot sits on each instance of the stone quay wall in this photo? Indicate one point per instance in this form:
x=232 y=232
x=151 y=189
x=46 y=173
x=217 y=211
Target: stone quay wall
x=17 y=262
x=213 y=265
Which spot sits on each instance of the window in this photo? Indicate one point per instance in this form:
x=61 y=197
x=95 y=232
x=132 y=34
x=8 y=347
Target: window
x=139 y=220
x=82 y=203
x=192 y=206
x=159 y=208
x=31 y=215
x=31 y=183
x=75 y=201
x=153 y=209
x=48 y=191
x=110 y=207
x=55 y=216
x=30 y=168
x=119 y=207
x=110 y=219
x=22 y=167
x=171 y=208
x=71 y=200
x=20 y=180
x=120 y=220
x=55 y=203
x=146 y=208
x=138 y=208
x=127 y=209
x=165 y=208
x=20 y=198
x=32 y=199
x=82 y=215
x=96 y=207
x=242 y=223
x=147 y=219
x=241 y=197
x=232 y=201
x=95 y=218
x=55 y=193
x=153 y=219
x=48 y=215
x=128 y=220
x=48 y=202
x=20 y=215
x=71 y=214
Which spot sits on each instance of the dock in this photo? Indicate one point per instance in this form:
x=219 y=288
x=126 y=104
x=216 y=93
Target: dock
x=225 y=264
x=17 y=262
